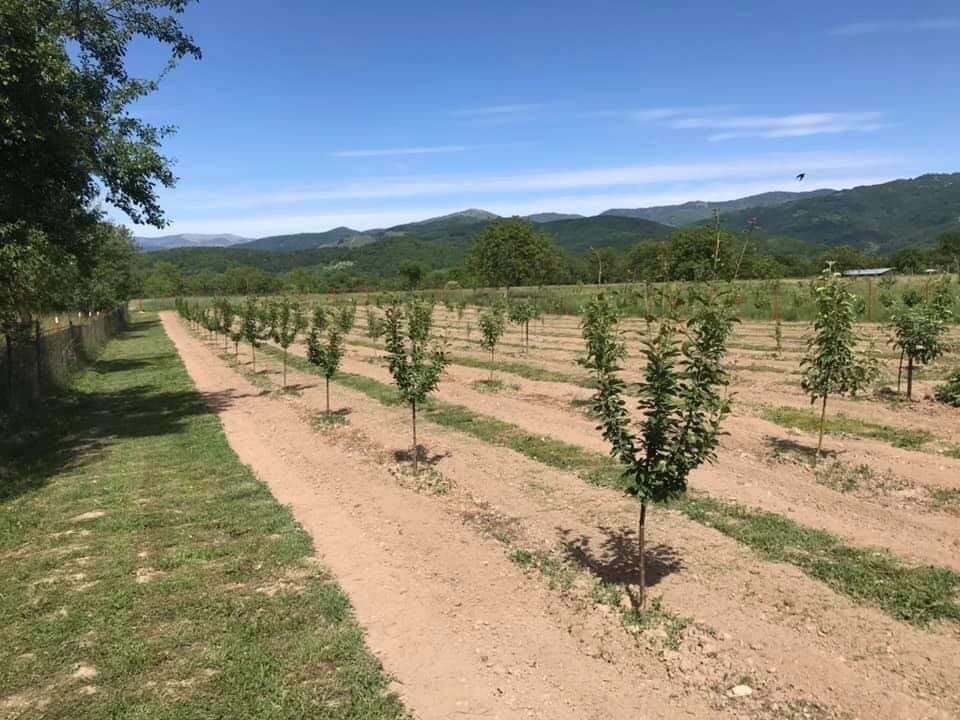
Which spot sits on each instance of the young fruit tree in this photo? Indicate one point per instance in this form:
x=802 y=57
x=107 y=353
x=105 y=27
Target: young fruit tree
x=415 y=367
x=254 y=326
x=492 y=325
x=345 y=316
x=288 y=322
x=521 y=314
x=325 y=348
x=680 y=401
x=225 y=316
x=831 y=364
x=375 y=325
x=918 y=331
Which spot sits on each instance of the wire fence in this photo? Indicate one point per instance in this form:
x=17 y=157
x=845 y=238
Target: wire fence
x=33 y=361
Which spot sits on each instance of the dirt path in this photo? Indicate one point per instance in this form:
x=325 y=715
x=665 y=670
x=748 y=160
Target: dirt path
x=808 y=652
x=462 y=629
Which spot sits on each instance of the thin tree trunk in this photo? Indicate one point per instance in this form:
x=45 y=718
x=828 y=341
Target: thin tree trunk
x=416 y=452
x=253 y=354
x=328 y=395
x=236 y=352
x=900 y=372
x=641 y=526
x=284 y=368
x=909 y=377
x=823 y=415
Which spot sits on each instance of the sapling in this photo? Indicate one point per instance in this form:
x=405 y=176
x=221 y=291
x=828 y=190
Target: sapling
x=375 y=325
x=288 y=322
x=254 y=327
x=680 y=400
x=224 y=314
x=918 y=333
x=415 y=367
x=325 y=348
x=345 y=316
x=522 y=313
x=832 y=364
x=778 y=339
x=492 y=325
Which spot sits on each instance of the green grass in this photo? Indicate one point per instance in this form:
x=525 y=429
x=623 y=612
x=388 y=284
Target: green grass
x=916 y=594
x=840 y=424
x=232 y=617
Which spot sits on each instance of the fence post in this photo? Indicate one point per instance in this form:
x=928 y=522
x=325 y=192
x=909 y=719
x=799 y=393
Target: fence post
x=9 y=372
x=39 y=358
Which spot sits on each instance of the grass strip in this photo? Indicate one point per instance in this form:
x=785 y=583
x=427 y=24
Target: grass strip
x=841 y=424
x=912 y=593
x=520 y=369
x=148 y=574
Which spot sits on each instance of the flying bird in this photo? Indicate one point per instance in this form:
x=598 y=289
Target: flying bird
x=801 y=176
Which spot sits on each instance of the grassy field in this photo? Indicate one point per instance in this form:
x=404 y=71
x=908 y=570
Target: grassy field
x=146 y=573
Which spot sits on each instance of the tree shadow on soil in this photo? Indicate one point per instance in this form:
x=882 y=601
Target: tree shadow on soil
x=422 y=456
x=613 y=559
x=785 y=446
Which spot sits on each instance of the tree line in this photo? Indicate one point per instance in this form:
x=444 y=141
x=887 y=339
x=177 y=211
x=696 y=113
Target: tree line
x=69 y=144
x=513 y=252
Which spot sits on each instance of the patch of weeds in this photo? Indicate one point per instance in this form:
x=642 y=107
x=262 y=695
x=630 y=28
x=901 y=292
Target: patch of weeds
x=656 y=616
x=952 y=451
x=497 y=525
x=429 y=480
x=843 y=477
x=326 y=422
x=560 y=574
x=606 y=593
x=841 y=424
x=493 y=385
x=945 y=499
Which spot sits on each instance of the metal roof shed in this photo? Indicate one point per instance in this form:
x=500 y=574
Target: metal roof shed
x=868 y=272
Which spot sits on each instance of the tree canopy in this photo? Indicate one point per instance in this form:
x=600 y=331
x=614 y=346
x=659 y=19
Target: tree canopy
x=69 y=140
x=509 y=253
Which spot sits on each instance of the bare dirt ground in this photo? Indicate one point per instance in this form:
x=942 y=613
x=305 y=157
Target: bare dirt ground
x=467 y=632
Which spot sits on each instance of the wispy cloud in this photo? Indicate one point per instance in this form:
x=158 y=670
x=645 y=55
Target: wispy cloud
x=387 y=152
x=727 y=126
x=474 y=187
x=498 y=110
x=893 y=26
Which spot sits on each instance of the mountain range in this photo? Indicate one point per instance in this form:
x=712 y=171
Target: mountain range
x=872 y=218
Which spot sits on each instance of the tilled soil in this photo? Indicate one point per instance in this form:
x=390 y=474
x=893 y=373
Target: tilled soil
x=466 y=632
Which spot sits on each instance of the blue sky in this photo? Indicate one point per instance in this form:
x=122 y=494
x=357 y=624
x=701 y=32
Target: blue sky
x=369 y=114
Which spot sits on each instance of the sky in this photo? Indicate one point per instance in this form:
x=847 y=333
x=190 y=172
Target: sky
x=303 y=116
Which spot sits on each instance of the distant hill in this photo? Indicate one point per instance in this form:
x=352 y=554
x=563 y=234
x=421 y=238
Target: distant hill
x=695 y=211
x=338 y=237
x=550 y=217
x=435 y=246
x=165 y=242
x=577 y=235
x=873 y=218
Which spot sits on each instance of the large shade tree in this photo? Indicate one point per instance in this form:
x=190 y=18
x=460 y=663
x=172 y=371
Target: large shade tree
x=509 y=253
x=68 y=138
